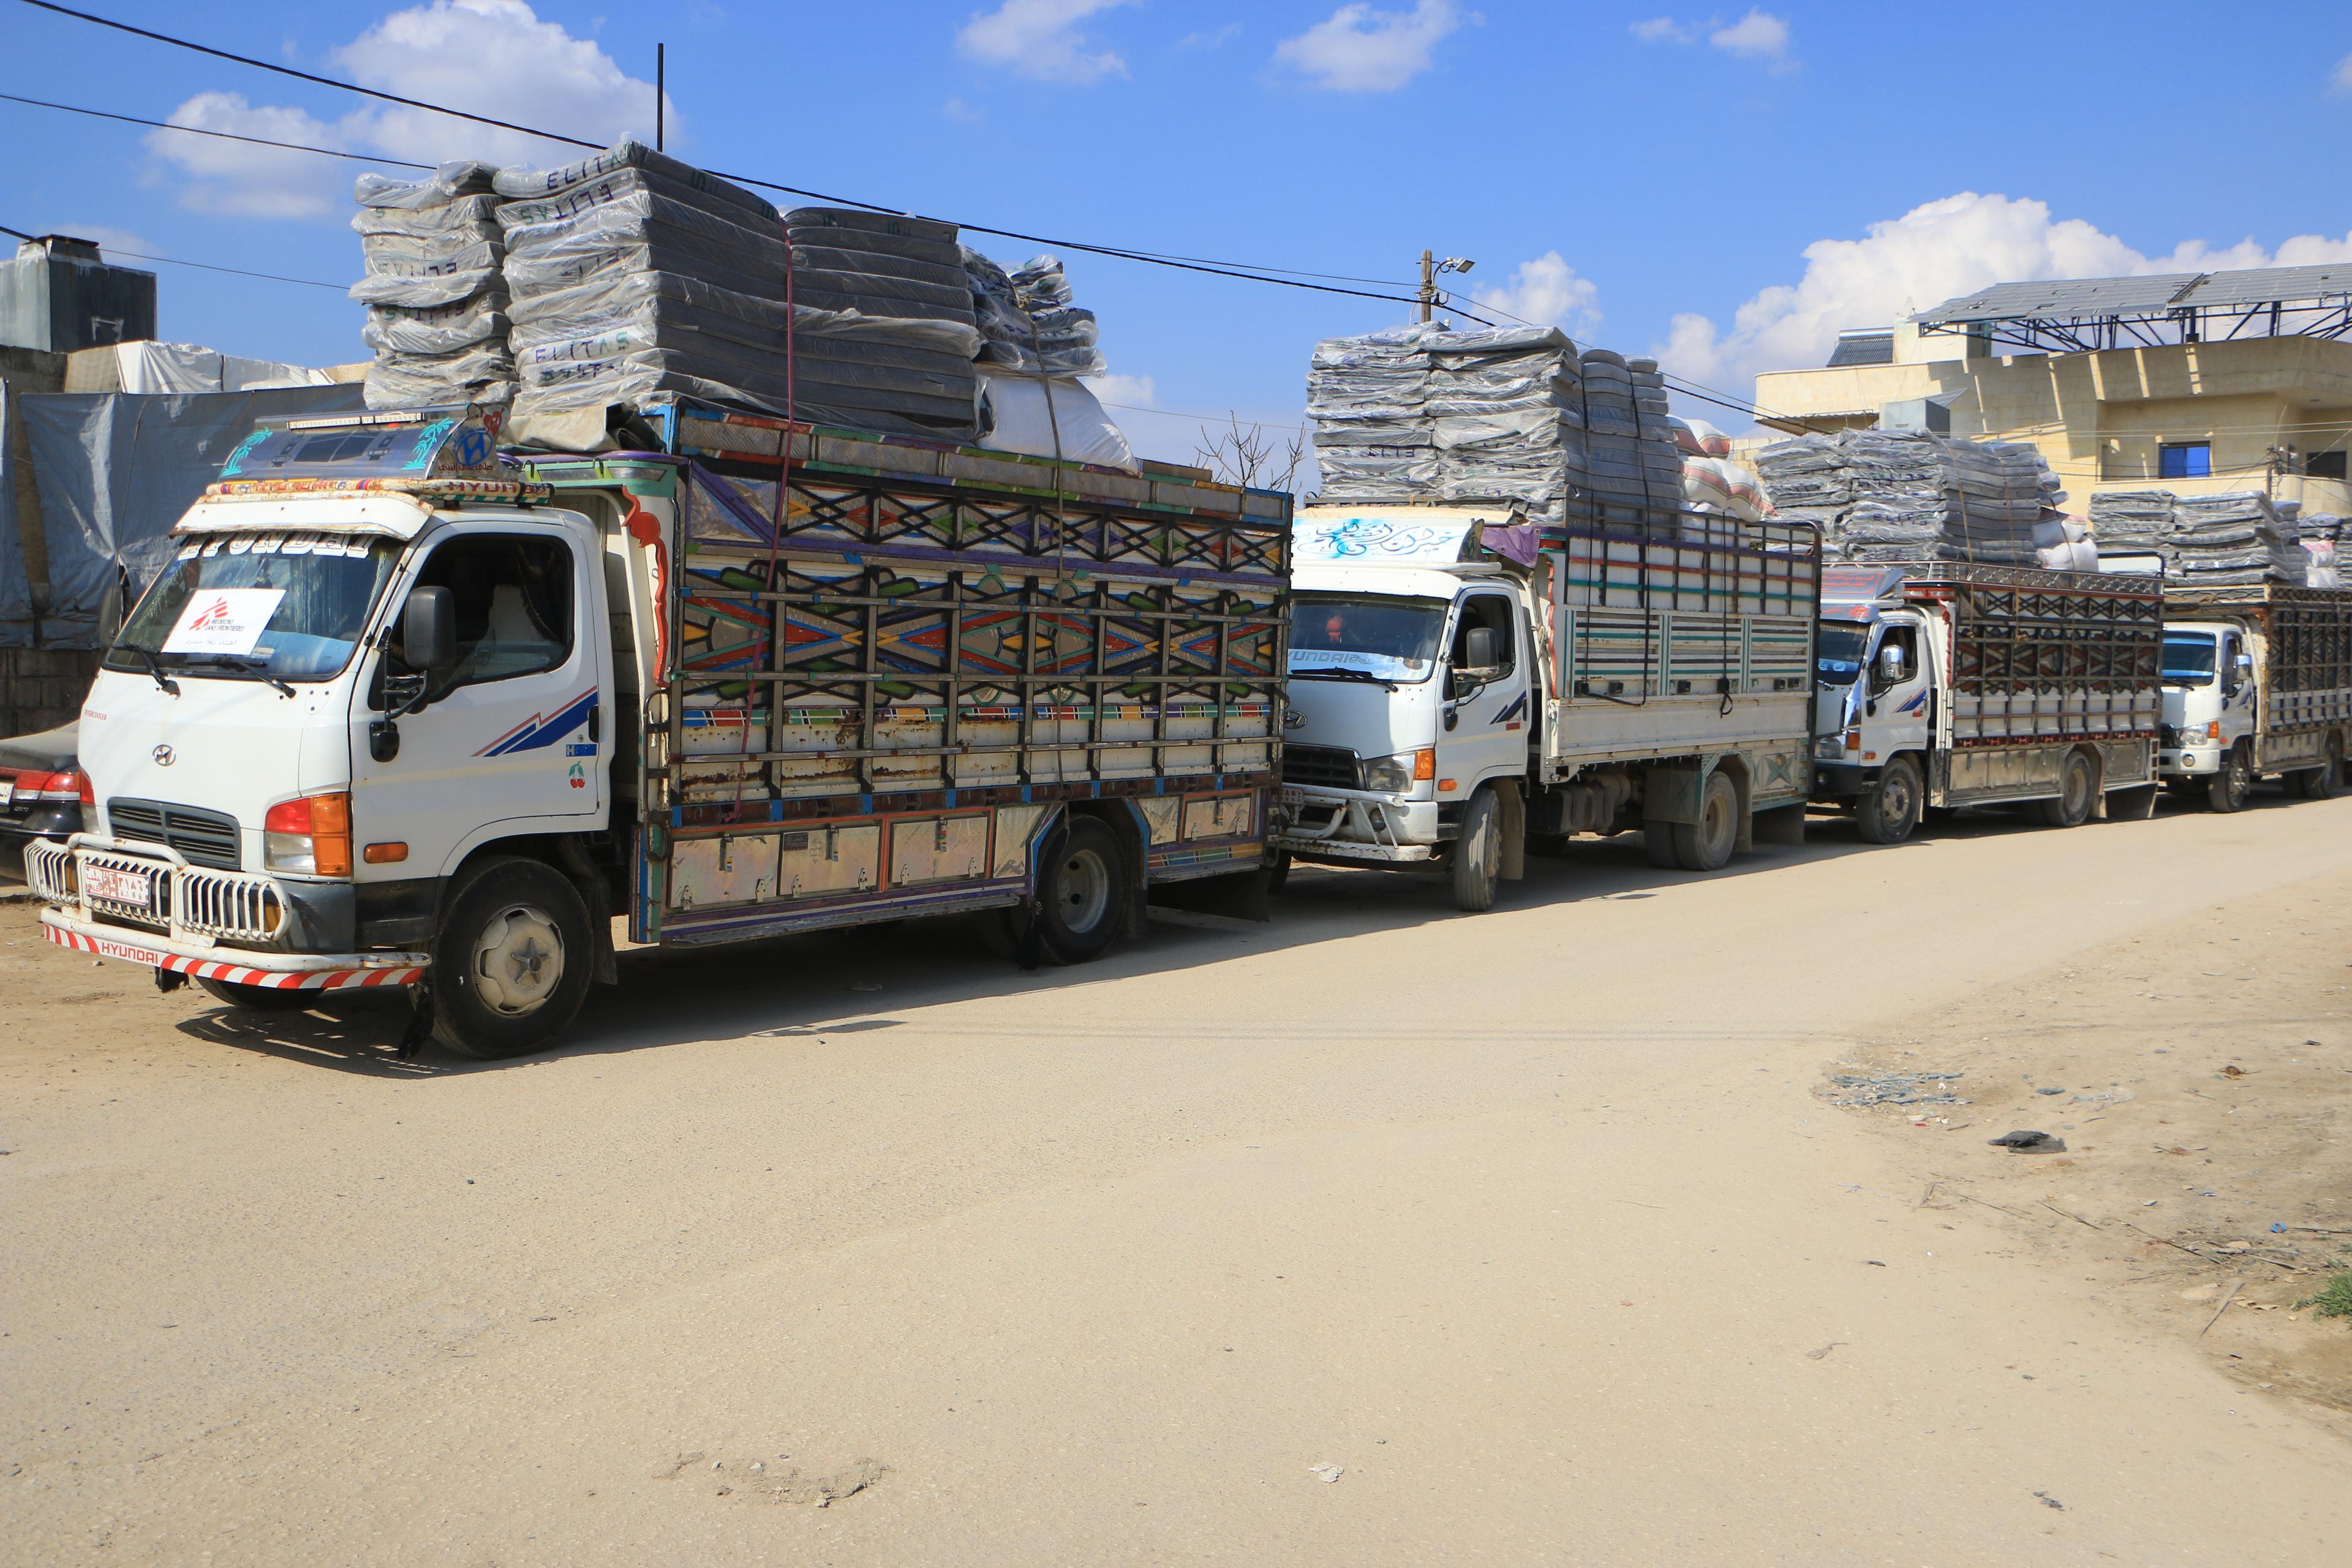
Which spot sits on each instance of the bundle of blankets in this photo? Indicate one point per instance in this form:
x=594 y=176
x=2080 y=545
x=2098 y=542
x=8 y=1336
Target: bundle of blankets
x=1907 y=495
x=435 y=288
x=1512 y=416
x=2232 y=539
x=629 y=276
x=1712 y=482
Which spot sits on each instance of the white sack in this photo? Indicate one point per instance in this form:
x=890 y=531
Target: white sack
x=1023 y=424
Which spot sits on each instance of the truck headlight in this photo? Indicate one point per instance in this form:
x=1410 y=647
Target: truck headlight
x=1829 y=748
x=1399 y=774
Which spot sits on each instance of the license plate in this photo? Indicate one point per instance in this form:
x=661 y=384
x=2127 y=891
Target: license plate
x=1293 y=796
x=8 y=792
x=134 y=887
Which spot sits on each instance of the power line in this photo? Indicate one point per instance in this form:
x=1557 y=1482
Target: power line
x=221 y=135
x=241 y=272
x=1291 y=279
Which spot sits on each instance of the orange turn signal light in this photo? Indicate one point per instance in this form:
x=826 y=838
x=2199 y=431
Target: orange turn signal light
x=385 y=854
x=1424 y=763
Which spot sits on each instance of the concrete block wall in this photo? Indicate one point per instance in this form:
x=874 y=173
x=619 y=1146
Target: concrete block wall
x=42 y=688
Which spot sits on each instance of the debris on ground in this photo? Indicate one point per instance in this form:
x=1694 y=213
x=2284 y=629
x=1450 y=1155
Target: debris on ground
x=1326 y=1472
x=1864 y=1089
x=2026 y=1138
x=2048 y=1502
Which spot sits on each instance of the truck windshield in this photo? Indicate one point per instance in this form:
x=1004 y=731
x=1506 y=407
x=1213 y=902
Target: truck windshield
x=1392 y=639
x=257 y=606
x=2187 y=658
x=1839 y=655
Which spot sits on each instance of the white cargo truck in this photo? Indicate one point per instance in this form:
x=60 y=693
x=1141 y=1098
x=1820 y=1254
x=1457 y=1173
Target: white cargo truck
x=1463 y=684
x=2257 y=684
x=1945 y=685
x=402 y=712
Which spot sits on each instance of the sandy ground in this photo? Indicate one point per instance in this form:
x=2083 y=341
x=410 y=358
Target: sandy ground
x=1382 y=1235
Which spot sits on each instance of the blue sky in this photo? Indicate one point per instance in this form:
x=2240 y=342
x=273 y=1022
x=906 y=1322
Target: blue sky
x=1651 y=177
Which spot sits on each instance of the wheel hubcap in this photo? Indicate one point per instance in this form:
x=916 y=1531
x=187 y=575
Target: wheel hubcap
x=1085 y=891
x=1896 y=801
x=519 y=961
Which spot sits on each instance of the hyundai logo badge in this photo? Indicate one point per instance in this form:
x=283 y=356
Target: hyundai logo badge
x=1292 y=718
x=164 y=756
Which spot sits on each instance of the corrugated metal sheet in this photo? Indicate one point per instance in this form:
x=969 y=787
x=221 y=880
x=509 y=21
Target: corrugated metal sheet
x=2081 y=297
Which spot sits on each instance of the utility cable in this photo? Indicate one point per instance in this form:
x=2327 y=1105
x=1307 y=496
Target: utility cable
x=1298 y=279
x=220 y=135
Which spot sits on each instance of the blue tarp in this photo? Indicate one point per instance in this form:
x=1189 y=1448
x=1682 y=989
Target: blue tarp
x=115 y=470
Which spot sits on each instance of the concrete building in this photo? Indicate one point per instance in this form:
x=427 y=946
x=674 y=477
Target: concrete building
x=2194 y=382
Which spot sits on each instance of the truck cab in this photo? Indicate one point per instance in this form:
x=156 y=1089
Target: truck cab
x=365 y=704
x=1414 y=683
x=1873 y=715
x=2211 y=698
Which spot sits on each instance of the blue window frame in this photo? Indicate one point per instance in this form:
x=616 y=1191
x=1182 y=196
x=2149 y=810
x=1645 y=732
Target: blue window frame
x=2184 y=460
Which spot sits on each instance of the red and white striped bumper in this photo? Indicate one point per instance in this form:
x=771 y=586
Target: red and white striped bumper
x=272 y=971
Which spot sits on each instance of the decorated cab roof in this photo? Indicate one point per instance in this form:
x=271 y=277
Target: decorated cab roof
x=442 y=452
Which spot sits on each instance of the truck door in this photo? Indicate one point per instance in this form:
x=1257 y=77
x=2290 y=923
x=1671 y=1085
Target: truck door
x=514 y=731
x=2239 y=691
x=1488 y=705
x=1900 y=709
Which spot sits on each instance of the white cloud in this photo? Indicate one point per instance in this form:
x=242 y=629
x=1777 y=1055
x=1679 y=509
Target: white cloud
x=1928 y=255
x=2344 y=74
x=962 y=113
x=1125 y=391
x=1217 y=39
x=1358 y=49
x=1663 y=30
x=1041 y=38
x=492 y=57
x=1549 y=292
x=1758 y=36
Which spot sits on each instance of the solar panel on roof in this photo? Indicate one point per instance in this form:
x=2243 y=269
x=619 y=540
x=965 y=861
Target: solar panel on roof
x=2264 y=285
x=2062 y=297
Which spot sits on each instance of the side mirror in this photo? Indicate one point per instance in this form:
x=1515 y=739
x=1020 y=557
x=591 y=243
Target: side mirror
x=1478 y=648
x=1891 y=663
x=428 y=631
x=2245 y=664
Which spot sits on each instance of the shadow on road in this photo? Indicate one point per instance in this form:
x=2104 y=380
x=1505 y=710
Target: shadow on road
x=832 y=982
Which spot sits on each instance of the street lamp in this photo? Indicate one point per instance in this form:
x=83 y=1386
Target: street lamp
x=1430 y=267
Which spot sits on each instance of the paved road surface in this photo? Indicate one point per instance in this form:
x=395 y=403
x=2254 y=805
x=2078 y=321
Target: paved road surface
x=1523 y=1221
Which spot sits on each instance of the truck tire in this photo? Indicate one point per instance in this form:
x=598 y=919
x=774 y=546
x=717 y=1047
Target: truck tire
x=1081 y=891
x=258 y=998
x=1706 y=844
x=513 y=961
x=1658 y=844
x=2228 y=786
x=2078 y=794
x=2320 y=783
x=1277 y=873
x=1889 y=809
x=1478 y=853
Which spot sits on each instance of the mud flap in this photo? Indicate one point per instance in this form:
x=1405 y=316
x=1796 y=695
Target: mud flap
x=2135 y=804
x=1780 y=824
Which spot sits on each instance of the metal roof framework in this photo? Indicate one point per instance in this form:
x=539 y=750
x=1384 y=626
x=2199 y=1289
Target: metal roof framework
x=2087 y=314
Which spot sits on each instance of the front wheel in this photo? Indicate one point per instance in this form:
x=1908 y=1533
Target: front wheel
x=2227 y=788
x=1081 y=893
x=512 y=964
x=1478 y=853
x=1889 y=809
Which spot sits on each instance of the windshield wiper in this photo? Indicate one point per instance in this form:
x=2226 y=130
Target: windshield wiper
x=1340 y=672
x=253 y=667
x=155 y=668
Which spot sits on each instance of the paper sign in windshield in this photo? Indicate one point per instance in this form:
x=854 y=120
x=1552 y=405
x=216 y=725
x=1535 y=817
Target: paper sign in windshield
x=224 y=620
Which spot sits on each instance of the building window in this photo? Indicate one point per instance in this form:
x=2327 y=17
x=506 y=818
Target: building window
x=2325 y=465
x=2184 y=460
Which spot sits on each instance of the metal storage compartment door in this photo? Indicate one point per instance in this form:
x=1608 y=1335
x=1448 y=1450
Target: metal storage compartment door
x=1217 y=816
x=939 y=849
x=830 y=859
x=739 y=868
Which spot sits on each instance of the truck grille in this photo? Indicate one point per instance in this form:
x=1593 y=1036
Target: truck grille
x=202 y=837
x=1333 y=768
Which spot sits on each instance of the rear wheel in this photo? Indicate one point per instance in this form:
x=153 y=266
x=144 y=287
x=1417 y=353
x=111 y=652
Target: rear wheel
x=1889 y=809
x=1478 y=853
x=2320 y=783
x=1706 y=844
x=2228 y=787
x=512 y=964
x=258 y=998
x=1081 y=892
x=2078 y=792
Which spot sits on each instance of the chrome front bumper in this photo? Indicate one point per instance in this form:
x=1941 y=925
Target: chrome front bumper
x=1356 y=828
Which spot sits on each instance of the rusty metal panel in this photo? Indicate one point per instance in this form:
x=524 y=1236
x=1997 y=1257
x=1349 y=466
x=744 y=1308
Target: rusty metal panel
x=830 y=859
x=1217 y=816
x=939 y=849
x=739 y=868
x=1015 y=827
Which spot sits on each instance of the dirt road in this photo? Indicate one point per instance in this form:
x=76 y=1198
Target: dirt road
x=1383 y=1235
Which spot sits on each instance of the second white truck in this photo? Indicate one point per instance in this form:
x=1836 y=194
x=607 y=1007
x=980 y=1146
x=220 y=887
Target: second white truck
x=1462 y=684
x=2257 y=683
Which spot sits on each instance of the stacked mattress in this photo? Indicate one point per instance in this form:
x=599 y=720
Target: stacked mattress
x=1029 y=320
x=885 y=338
x=2230 y=539
x=434 y=289
x=1907 y=495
